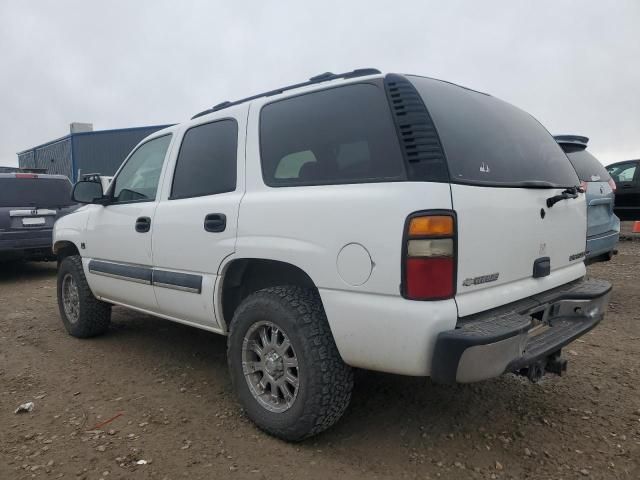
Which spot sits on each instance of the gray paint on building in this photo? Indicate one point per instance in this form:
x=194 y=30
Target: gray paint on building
x=86 y=152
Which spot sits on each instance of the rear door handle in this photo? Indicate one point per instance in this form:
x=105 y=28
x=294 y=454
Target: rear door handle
x=215 y=222
x=143 y=224
x=627 y=185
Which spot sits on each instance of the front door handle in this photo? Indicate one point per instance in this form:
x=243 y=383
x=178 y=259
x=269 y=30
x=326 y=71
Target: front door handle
x=215 y=222
x=143 y=224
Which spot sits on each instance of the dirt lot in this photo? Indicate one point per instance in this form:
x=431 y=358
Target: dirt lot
x=169 y=385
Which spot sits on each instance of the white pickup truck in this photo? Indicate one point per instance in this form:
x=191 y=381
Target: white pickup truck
x=388 y=222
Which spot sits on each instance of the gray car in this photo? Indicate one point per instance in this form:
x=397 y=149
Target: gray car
x=603 y=226
x=29 y=206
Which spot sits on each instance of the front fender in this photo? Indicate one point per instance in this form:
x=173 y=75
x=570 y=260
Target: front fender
x=71 y=228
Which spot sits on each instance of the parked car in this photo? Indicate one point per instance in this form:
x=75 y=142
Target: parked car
x=626 y=176
x=29 y=206
x=388 y=222
x=603 y=226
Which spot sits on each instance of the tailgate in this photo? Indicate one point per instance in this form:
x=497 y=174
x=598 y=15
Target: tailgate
x=600 y=217
x=503 y=167
x=28 y=218
x=502 y=233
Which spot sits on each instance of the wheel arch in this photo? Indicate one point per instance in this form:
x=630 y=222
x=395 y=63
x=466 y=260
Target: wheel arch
x=241 y=277
x=65 y=248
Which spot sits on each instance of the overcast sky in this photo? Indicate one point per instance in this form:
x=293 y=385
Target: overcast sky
x=575 y=65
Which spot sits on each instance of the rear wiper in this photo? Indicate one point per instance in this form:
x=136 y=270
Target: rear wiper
x=571 y=192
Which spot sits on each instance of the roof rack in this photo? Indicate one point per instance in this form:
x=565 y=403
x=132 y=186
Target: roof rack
x=323 y=77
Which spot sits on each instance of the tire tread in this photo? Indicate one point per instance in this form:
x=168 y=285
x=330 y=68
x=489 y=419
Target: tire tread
x=95 y=315
x=332 y=380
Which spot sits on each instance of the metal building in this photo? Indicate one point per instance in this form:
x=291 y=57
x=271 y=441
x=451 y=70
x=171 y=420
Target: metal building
x=85 y=151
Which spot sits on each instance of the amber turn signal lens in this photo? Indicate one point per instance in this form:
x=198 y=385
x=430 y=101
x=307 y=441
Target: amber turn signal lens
x=432 y=225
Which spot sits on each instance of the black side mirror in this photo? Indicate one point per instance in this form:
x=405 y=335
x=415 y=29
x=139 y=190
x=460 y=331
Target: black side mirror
x=88 y=192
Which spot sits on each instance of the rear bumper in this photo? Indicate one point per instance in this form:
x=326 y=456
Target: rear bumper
x=25 y=240
x=518 y=335
x=598 y=245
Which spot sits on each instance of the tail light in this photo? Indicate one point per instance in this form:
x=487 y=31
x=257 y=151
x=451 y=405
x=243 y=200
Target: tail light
x=612 y=184
x=26 y=175
x=583 y=186
x=429 y=256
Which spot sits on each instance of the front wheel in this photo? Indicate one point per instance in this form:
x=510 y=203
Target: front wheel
x=284 y=363
x=83 y=315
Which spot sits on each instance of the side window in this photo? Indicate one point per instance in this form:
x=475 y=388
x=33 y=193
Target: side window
x=623 y=173
x=138 y=179
x=207 y=162
x=334 y=136
x=290 y=165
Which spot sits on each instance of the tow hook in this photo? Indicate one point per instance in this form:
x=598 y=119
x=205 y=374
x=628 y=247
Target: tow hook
x=554 y=363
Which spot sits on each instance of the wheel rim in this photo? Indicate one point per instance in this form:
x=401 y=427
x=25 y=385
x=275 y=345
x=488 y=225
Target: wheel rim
x=270 y=366
x=70 y=298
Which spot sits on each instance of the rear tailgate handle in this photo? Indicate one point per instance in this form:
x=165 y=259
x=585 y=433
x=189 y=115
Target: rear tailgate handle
x=215 y=222
x=143 y=224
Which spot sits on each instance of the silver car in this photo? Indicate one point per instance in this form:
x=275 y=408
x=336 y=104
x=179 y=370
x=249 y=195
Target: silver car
x=603 y=226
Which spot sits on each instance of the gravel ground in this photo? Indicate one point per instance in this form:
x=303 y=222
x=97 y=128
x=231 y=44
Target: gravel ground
x=159 y=392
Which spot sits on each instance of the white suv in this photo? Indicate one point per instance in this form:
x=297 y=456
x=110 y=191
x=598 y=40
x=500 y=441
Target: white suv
x=388 y=222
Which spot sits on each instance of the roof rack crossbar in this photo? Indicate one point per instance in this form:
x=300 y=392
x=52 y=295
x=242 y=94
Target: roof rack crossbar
x=323 y=77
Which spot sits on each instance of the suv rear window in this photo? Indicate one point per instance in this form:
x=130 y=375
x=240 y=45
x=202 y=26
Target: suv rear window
x=334 y=136
x=206 y=164
x=588 y=168
x=35 y=192
x=490 y=142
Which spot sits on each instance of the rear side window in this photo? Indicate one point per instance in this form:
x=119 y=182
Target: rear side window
x=588 y=168
x=335 y=136
x=35 y=192
x=623 y=172
x=490 y=142
x=206 y=164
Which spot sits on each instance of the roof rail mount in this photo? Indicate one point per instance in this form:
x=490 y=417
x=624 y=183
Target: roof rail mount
x=323 y=77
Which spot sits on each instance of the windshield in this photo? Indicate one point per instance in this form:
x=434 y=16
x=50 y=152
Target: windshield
x=588 y=168
x=35 y=192
x=490 y=142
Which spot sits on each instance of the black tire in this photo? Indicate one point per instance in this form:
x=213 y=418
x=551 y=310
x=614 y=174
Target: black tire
x=325 y=381
x=94 y=316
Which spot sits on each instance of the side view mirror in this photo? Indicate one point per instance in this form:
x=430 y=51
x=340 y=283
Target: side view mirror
x=88 y=192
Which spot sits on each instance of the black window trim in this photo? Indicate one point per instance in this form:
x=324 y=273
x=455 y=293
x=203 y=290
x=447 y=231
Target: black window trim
x=112 y=185
x=175 y=164
x=376 y=82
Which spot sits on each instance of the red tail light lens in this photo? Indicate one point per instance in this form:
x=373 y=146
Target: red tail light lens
x=26 y=175
x=430 y=278
x=429 y=257
x=583 y=186
x=612 y=184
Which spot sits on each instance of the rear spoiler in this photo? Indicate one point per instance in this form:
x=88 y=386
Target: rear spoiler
x=571 y=143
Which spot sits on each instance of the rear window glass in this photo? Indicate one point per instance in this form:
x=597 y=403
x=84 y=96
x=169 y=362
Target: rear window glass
x=35 y=192
x=206 y=163
x=490 y=142
x=334 y=136
x=588 y=168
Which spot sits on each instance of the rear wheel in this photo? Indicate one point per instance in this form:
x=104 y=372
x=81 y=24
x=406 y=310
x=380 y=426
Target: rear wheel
x=284 y=363
x=83 y=315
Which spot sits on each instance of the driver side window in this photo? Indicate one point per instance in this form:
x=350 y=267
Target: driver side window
x=138 y=180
